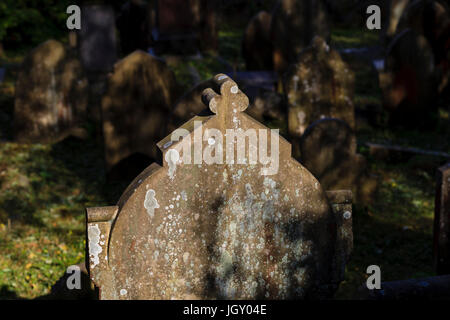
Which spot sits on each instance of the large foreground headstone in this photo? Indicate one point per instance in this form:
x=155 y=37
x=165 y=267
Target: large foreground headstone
x=190 y=104
x=136 y=107
x=442 y=221
x=319 y=85
x=408 y=82
x=51 y=94
x=328 y=151
x=216 y=222
x=98 y=48
x=257 y=45
x=294 y=24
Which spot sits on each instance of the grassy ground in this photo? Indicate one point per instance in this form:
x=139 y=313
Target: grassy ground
x=45 y=188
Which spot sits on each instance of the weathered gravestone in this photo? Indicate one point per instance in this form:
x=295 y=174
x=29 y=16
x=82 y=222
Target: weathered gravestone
x=328 y=151
x=209 y=37
x=408 y=82
x=98 y=38
x=319 y=85
x=394 y=10
x=186 y=26
x=294 y=24
x=134 y=23
x=136 y=107
x=257 y=45
x=431 y=19
x=423 y=16
x=51 y=94
x=211 y=225
x=442 y=222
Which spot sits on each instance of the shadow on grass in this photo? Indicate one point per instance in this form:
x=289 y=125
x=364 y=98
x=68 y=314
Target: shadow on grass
x=8 y=294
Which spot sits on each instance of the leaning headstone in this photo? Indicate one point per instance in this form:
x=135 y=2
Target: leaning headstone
x=319 y=85
x=408 y=82
x=135 y=26
x=294 y=24
x=257 y=45
x=98 y=38
x=328 y=151
x=442 y=222
x=209 y=225
x=51 y=94
x=136 y=107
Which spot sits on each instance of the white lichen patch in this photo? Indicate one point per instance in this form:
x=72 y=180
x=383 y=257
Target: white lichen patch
x=172 y=157
x=94 y=244
x=150 y=202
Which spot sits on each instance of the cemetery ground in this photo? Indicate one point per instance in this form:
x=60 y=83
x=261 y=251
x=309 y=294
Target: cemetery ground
x=44 y=189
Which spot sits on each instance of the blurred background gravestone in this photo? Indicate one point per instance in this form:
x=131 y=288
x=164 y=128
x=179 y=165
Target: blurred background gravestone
x=98 y=52
x=294 y=24
x=395 y=10
x=188 y=231
x=328 y=151
x=185 y=27
x=257 y=45
x=409 y=83
x=431 y=19
x=98 y=48
x=51 y=94
x=135 y=112
x=319 y=85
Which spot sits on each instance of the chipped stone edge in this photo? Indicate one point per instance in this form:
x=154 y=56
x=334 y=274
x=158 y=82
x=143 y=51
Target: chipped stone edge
x=341 y=204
